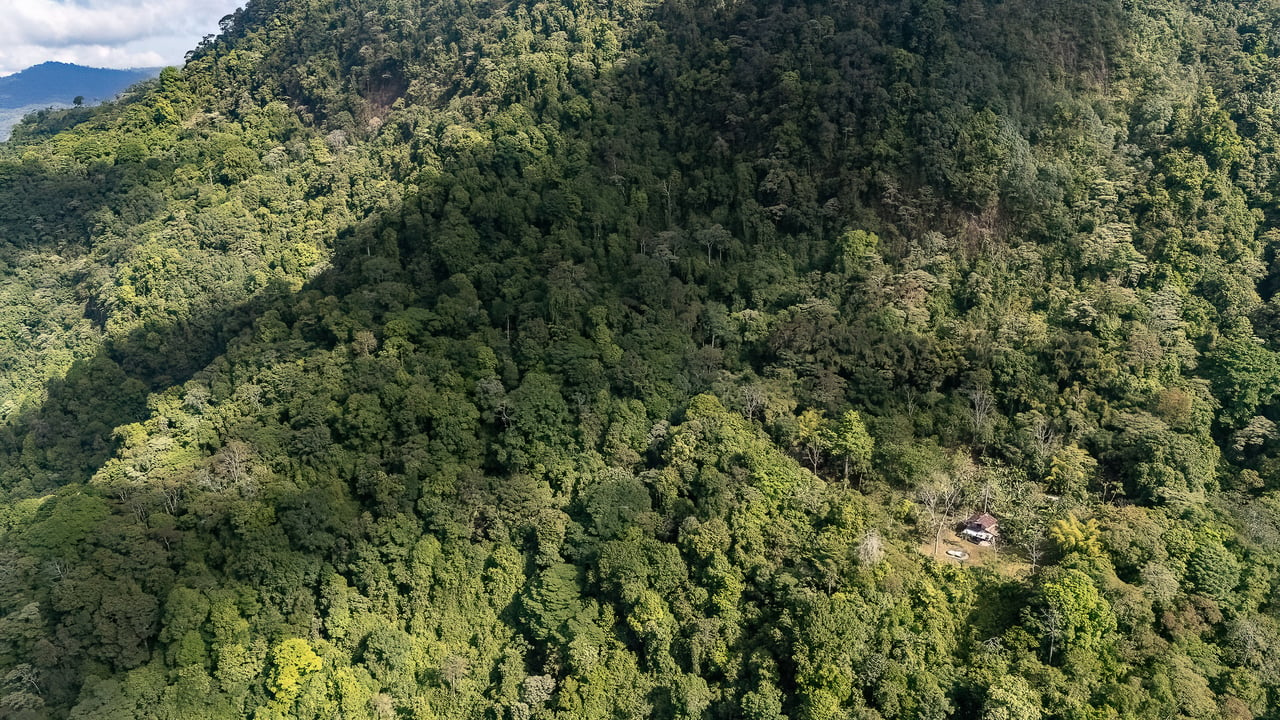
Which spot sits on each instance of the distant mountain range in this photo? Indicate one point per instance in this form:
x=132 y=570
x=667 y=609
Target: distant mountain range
x=59 y=84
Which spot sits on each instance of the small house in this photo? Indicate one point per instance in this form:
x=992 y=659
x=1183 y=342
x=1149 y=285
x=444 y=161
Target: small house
x=981 y=529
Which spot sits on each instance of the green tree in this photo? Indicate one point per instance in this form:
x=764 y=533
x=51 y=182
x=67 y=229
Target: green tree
x=1245 y=374
x=1012 y=698
x=1213 y=569
x=850 y=441
x=1072 y=612
x=811 y=440
x=1070 y=471
x=291 y=661
x=1071 y=535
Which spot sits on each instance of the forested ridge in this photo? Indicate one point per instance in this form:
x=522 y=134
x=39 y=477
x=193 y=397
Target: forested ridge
x=62 y=85
x=515 y=360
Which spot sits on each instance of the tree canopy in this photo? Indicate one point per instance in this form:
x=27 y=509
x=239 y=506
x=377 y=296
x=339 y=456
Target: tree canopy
x=406 y=359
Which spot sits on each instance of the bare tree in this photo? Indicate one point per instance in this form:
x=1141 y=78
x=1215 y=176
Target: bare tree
x=454 y=670
x=24 y=676
x=941 y=497
x=753 y=400
x=383 y=705
x=981 y=406
x=987 y=494
x=233 y=461
x=1051 y=621
x=1032 y=543
x=910 y=397
x=871 y=550
x=171 y=493
x=1044 y=439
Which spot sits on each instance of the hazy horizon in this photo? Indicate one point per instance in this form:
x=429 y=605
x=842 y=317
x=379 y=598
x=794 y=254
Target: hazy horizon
x=107 y=34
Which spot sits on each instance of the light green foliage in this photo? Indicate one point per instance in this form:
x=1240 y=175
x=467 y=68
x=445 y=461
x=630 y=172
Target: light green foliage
x=1071 y=535
x=1076 y=612
x=291 y=661
x=811 y=439
x=398 y=358
x=1070 y=471
x=850 y=442
x=1012 y=698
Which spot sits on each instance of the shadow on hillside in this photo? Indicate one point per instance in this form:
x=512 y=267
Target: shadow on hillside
x=69 y=437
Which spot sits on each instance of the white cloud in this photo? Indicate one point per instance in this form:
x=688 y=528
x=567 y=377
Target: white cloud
x=105 y=33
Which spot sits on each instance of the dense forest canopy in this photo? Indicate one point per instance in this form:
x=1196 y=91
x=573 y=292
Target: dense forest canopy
x=514 y=360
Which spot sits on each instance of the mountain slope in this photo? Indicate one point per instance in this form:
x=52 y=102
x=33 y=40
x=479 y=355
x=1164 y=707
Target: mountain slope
x=60 y=84
x=565 y=360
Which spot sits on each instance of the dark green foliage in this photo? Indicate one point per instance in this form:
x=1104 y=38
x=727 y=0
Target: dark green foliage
x=581 y=360
x=1214 y=570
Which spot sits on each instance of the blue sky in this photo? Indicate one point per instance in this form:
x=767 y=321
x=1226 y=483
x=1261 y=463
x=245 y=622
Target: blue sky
x=105 y=33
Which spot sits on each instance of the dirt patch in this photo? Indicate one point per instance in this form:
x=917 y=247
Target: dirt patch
x=1001 y=560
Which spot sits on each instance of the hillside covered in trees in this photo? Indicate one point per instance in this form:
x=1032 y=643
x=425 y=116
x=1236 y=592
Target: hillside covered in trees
x=546 y=360
x=55 y=84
